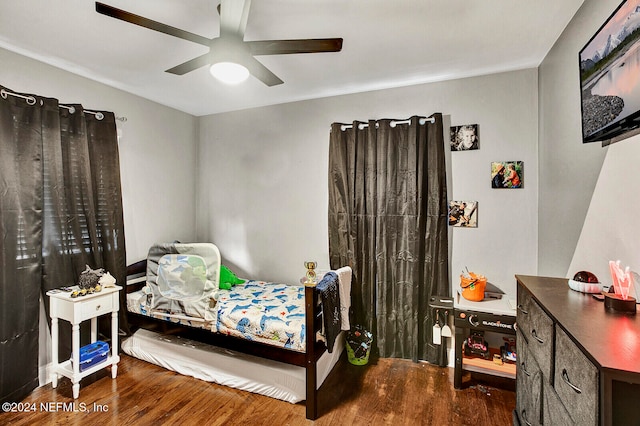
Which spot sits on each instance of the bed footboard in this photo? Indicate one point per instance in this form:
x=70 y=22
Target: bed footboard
x=313 y=318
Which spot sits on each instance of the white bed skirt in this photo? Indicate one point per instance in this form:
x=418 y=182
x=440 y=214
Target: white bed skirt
x=229 y=368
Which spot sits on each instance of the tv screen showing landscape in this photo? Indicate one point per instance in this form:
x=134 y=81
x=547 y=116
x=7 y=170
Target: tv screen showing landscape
x=610 y=76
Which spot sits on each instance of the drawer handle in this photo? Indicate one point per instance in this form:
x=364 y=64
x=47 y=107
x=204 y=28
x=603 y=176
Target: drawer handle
x=524 y=418
x=521 y=309
x=524 y=369
x=535 y=336
x=98 y=308
x=565 y=377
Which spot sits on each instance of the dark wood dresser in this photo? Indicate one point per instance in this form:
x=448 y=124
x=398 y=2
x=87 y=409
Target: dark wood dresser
x=577 y=363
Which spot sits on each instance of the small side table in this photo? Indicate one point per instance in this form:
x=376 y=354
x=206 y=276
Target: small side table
x=76 y=310
x=493 y=315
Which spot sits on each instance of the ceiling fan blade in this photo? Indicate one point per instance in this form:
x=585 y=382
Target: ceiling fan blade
x=233 y=17
x=283 y=47
x=260 y=72
x=191 y=65
x=113 y=12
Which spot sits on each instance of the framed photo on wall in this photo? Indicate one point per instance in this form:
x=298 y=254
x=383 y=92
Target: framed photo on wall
x=463 y=214
x=507 y=174
x=465 y=138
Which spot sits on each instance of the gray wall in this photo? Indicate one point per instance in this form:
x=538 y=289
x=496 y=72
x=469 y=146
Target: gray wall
x=568 y=169
x=609 y=231
x=157 y=150
x=263 y=175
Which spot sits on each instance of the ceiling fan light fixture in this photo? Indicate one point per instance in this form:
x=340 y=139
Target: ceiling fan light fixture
x=230 y=45
x=229 y=72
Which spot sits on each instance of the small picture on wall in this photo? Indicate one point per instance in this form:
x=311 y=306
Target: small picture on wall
x=507 y=174
x=463 y=214
x=465 y=138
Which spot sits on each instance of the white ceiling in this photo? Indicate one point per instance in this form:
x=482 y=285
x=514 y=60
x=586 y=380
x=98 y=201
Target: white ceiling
x=388 y=43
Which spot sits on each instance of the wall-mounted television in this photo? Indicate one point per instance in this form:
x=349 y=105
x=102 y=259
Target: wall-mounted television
x=610 y=76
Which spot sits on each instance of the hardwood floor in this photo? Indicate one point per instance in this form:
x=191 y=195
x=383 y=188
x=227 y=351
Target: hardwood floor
x=385 y=392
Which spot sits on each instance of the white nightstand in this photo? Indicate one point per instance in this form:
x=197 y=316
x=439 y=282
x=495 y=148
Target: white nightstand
x=75 y=311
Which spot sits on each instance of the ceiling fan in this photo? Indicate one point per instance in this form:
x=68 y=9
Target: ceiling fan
x=230 y=46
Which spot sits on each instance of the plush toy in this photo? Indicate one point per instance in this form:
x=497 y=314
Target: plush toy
x=107 y=280
x=89 y=282
x=89 y=278
x=228 y=279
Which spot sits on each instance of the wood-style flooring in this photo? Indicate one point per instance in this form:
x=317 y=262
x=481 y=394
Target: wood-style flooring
x=384 y=392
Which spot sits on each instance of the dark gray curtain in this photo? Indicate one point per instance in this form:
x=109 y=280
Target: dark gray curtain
x=61 y=209
x=388 y=221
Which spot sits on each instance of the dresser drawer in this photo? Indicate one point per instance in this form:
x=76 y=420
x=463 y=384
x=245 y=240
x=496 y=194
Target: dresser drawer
x=522 y=311
x=529 y=385
x=96 y=307
x=575 y=381
x=537 y=329
x=553 y=412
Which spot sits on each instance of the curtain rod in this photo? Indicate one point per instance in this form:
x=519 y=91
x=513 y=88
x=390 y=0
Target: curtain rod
x=98 y=114
x=393 y=123
x=32 y=100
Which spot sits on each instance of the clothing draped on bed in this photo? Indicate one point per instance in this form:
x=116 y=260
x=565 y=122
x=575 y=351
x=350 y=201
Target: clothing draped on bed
x=330 y=299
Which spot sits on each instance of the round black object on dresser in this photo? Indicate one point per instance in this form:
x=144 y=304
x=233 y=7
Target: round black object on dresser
x=615 y=302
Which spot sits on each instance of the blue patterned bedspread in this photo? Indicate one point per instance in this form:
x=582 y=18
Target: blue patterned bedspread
x=270 y=313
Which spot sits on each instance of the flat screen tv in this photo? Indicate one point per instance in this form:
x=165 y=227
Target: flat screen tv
x=610 y=76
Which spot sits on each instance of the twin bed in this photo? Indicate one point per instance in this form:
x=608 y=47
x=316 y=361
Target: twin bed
x=268 y=338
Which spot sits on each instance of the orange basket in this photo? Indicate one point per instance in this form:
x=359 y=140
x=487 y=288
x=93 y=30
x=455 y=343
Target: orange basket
x=473 y=286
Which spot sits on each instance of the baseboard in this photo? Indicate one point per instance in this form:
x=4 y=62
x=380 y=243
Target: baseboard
x=44 y=374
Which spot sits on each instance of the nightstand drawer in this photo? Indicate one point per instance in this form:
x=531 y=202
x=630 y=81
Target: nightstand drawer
x=576 y=381
x=96 y=307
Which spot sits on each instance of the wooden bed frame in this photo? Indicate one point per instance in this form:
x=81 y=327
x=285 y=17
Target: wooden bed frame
x=308 y=360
